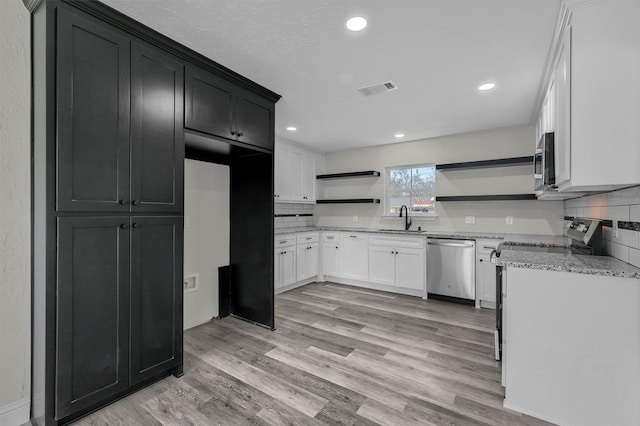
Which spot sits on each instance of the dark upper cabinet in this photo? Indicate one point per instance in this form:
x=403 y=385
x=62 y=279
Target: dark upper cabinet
x=256 y=119
x=215 y=106
x=156 y=295
x=92 y=115
x=92 y=311
x=120 y=121
x=157 y=131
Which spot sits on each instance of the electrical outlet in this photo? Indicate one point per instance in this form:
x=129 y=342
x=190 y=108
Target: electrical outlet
x=470 y=220
x=509 y=220
x=355 y=219
x=190 y=283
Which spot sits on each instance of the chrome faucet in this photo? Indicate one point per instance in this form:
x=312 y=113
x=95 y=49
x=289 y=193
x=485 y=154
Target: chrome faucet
x=407 y=220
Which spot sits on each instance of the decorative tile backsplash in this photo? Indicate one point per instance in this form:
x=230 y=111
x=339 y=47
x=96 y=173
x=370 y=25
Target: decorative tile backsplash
x=289 y=215
x=622 y=208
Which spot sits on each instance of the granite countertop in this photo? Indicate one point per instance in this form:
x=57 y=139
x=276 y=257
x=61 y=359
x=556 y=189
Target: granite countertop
x=578 y=263
x=511 y=239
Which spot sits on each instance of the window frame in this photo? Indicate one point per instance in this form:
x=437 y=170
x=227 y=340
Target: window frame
x=387 y=186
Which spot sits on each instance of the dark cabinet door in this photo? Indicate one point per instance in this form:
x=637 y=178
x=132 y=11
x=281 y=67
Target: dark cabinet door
x=209 y=103
x=255 y=120
x=157 y=141
x=92 y=115
x=92 y=311
x=156 y=295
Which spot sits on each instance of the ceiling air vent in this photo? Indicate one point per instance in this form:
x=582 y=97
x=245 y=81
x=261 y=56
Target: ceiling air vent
x=377 y=88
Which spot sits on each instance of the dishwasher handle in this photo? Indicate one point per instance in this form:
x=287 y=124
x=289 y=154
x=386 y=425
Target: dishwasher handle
x=449 y=244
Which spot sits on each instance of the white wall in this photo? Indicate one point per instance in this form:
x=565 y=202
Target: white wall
x=530 y=217
x=15 y=213
x=206 y=236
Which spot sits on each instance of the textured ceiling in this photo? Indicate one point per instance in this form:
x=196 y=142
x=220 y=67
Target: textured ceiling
x=436 y=51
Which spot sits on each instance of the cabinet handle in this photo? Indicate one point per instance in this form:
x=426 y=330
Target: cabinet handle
x=135 y=202
x=135 y=225
x=122 y=202
x=353 y=236
x=124 y=226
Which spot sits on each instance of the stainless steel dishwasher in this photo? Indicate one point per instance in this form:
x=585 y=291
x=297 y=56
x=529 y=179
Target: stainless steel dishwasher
x=451 y=268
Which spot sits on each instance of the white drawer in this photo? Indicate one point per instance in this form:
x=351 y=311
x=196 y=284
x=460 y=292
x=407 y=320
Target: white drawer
x=408 y=242
x=330 y=236
x=352 y=236
x=307 y=238
x=486 y=246
x=284 y=241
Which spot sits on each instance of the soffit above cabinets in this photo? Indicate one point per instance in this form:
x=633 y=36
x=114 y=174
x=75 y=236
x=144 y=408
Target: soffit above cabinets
x=437 y=52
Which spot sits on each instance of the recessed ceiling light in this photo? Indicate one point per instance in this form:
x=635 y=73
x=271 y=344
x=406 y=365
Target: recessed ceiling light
x=486 y=86
x=357 y=23
x=292 y=129
x=399 y=135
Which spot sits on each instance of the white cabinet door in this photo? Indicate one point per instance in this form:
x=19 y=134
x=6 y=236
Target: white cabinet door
x=562 y=137
x=330 y=258
x=301 y=263
x=486 y=278
x=382 y=261
x=296 y=164
x=277 y=269
x=288 y=266
x=281 y=172
x=309 y=178
x=312 y=260
x=354 y=256
x=410 y=265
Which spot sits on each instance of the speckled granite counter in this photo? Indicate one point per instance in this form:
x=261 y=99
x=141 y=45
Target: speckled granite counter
x=511 y=239
x=581 y=264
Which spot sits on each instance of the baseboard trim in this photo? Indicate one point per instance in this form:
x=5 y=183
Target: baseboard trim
x=15 y=414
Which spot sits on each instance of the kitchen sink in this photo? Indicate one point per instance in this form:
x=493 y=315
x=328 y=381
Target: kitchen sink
x=400 y=230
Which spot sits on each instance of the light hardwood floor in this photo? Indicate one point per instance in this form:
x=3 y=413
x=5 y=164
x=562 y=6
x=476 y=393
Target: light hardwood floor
x=339 y=355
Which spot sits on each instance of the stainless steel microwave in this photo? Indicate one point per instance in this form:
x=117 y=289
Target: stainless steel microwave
x=544 y=172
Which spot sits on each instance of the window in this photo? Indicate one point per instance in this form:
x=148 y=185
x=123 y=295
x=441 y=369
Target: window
x=412 y=186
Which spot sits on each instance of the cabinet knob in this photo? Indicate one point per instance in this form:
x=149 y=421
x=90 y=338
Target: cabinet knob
x=122 y=202
x=233 y=133
x=240 y=134
x=480 y=260
x=336 y=247
x=135 y=202
x=124 y=226
x=135 y=225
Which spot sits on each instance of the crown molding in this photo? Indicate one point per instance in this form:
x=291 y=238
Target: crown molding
x=31 y=5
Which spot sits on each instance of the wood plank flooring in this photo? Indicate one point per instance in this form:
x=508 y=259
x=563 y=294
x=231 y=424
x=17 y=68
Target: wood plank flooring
x=339 y=355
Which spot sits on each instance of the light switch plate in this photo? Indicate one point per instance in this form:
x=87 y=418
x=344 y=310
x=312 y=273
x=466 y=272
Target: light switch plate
x=509 y=220
x=191 y=283
x=355 y=218
x=470 y=220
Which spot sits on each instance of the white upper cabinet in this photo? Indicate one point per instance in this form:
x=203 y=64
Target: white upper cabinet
x=597 y=97
x=295 y=174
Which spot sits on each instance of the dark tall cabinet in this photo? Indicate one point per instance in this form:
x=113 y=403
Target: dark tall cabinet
x=110 y=112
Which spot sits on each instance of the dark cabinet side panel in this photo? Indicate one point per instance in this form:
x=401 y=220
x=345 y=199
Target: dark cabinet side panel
x=92 y=116
x=157 y=131
x=92 y=311
x=251 y=248
x=156 y=295
x=256 y=118
x=209 y=103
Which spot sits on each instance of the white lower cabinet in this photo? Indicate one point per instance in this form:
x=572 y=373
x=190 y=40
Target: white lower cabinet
x=398 y=262
x=284 y=267
x=354 y=256
x=306 y=261
x=485 y=274
x=331 y=254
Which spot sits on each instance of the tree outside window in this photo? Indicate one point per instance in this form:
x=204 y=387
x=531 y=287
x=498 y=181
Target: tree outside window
x=412 y=186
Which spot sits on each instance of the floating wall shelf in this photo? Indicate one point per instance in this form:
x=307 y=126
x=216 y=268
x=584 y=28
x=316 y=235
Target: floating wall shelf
x=368 y=173
x=500 y=162
x=505 y=197
x=350 y=201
